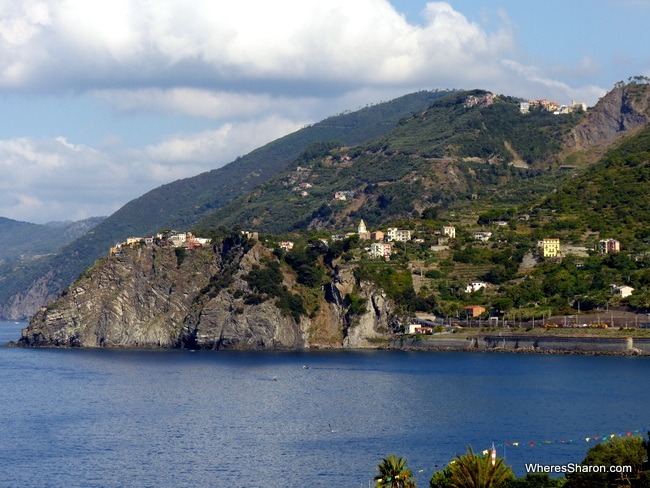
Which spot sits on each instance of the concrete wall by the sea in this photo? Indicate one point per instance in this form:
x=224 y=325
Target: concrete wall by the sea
x=587 y=345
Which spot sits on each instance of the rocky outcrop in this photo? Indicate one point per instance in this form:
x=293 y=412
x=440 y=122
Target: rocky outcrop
x=622 y=110
x=22 y=305
x=156 y=297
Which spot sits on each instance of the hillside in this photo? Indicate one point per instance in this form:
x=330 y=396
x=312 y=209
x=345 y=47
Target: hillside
x=312 y=286
x=623 y=110
x=182 y=203
x=448 y=153
x=22 y=241
x=463 y=153
x=235 y=294
x=611 y=197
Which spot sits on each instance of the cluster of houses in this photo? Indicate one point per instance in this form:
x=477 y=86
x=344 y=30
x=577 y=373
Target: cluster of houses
x=556 y=108
x=477 y=101
x=525 y=107
x=551 y=248
x=174 y=239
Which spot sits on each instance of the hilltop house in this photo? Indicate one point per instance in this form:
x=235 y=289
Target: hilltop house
x=286 y=245
x=606 y=246
x=475 y=101
x=622 y=291
x=475 y=286
x=449 y=231
x=482 y=236
x=399 y=235
x=343 y=195
x=251 y=235
x=381 y=250
x=550 y=247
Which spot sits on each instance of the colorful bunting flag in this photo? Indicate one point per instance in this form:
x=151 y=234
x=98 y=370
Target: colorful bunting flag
x=569 y=441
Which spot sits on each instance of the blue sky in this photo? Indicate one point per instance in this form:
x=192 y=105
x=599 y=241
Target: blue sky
x=103 y=101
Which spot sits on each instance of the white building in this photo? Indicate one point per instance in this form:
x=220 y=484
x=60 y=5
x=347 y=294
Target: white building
x=363 y=231
x=605 y=246
x=449 y=231
x=362 y=227
x=475 y=286
x=482 y=236
x=381 y=250
x=623 y=291
x=399 y=235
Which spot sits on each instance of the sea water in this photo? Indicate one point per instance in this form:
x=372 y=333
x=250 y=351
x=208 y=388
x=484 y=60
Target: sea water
x=114 y=418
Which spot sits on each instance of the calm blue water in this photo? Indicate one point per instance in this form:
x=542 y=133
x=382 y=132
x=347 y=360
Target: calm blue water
x=213 y=418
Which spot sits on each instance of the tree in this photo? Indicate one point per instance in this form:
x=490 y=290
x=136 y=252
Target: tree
x=616 y=452
x=393 y=473
x=430 y=213
x=473 y=471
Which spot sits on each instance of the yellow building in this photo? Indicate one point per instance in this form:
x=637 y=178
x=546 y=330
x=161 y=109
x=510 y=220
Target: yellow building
x=551 y=248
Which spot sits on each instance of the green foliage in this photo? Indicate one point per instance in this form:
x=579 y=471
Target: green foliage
x=355 y=304
x=441 y=479
x=430 y=213
x=268 y=281
x=393 y=473
x=317 y=150
x=433 y=274
x=395 y=281
x=180 y=253
x=304 y=261
x=448 y=128
x=473 y=471
x=537 y=480
x=619 y=451
x=612 y=195
x=230 y=249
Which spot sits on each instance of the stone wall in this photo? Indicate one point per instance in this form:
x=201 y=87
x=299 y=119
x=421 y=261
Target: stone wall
x=585 y=345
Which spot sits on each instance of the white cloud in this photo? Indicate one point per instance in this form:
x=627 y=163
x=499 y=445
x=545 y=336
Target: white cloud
x=534 y=82
x=43 y=179
x=206 y=104
x=78 y=43
x=51 y=179
x=217 y=59
x=249 y=71
x=219 y=146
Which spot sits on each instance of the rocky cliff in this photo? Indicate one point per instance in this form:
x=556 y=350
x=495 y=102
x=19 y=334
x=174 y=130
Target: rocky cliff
x=623 y=110
x=205 y=298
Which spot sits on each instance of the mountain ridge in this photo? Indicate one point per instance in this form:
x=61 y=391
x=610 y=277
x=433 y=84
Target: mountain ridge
x=180 y=204
x=311 y=288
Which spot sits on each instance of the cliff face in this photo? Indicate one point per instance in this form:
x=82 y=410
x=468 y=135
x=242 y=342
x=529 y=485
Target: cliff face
x=621 y=111
x=23 y=305
x=153 y=297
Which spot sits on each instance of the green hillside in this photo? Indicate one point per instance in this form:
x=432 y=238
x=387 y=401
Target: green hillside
x=445 y=154
x=182 y=203
x=610 y=197
x=25 y=241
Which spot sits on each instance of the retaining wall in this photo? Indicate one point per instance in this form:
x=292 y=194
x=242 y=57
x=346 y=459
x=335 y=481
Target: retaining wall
x=586 y=345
